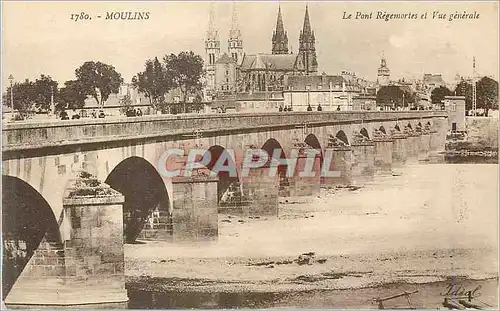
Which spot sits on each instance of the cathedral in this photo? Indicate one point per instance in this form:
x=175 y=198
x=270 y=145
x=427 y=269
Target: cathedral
x=238 y=72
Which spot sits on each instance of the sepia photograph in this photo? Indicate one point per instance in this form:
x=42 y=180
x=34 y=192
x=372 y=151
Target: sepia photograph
x=250 y=155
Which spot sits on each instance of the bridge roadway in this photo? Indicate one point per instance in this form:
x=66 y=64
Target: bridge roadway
x=17 y=137
x=74 y=191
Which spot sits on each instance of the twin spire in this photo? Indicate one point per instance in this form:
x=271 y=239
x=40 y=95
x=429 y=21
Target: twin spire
x=280 y=37
x=306 y=29
x=306 y=36
x=234 y=32
x=212 y=33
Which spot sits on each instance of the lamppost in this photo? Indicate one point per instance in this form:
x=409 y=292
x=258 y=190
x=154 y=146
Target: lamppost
x=11 y=79
x=52 y=107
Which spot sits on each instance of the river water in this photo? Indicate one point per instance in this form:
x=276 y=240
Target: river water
x=429 y=227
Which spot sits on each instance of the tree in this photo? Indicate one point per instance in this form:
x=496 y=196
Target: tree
x=185 y=71
x=395 y=96
x=464 y=88
x=125 y=103
x=438 y=94
x=30 y=95
x=23 y=95
x=44 y=88
x=99 y=77
x=486 y=93
x=71 y=96
x=153 y=82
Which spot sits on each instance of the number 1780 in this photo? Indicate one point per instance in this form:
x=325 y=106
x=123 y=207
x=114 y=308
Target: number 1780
x=80 y=16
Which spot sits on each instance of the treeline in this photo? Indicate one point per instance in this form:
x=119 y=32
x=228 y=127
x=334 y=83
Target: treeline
x=486 y=94
x=99 y=80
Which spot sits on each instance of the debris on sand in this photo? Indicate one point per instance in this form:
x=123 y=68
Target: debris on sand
x=241 y=221
x=305 y=259
x=321 y=261
x=397 y=173
x=284 y=262
x=264 y=263
x=226 y=220
x=354 y=188
x=321 y=277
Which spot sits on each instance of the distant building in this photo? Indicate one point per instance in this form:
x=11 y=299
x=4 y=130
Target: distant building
x=331 y=92
x=365 y=102
x=383 y=75
x=455 y=106
x=225 y=75
x=432 y=81
x=113 y=106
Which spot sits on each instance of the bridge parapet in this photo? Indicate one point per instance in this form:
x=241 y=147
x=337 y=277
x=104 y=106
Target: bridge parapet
x=22 y=136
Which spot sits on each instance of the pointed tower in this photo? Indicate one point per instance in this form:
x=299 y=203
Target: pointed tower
x=235 y=42
x=280 y=37
x=307 y=49
x=212 y=50
x=383 y=75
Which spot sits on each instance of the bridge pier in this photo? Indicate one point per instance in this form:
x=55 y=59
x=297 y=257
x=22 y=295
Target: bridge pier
x=399 y=148
x=425 y=141
x=383 y=153
x=195 y=207
x=306 y=181
x=363 y=168
x=341 y=162
x=88 y=267
x=438 y=140
x=260 y=192
x=413 y=148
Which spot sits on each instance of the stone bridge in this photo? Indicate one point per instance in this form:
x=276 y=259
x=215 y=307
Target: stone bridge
x=75 y=191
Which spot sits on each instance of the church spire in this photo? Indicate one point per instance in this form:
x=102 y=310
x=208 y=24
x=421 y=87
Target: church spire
x=212 y=32
x=279 y=23
x=235 y=42
x=212 y=50
x=280 y=37
x=234 y=32
x=306 y=29
x=307 y=49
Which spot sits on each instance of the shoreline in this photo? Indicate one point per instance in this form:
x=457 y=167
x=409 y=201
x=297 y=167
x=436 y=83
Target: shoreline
x=425 y=295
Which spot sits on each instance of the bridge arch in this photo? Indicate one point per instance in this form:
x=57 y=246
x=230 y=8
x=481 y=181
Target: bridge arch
x=397 y=128
x=228 y=182
x=272 y=147
x=313 y=141
x=409 y=126
x=27 y=219
x=382 y=129
x=342 y=136
x=364 y=132
x=144 y=192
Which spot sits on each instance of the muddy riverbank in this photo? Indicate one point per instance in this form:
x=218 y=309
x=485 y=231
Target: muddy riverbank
x=424 y=295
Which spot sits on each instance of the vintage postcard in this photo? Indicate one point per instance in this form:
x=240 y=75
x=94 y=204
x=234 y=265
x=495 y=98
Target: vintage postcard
x=244 y=154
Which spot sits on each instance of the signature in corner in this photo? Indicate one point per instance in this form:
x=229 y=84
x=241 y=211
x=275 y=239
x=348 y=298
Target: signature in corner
x=461 y=290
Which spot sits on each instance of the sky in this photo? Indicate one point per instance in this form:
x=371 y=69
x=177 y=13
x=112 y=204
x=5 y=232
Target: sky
x=40 y=37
